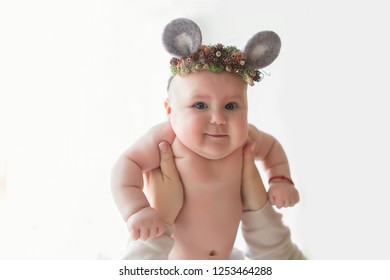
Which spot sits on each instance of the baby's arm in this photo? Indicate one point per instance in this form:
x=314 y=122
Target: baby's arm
x=166 y=195
x=268 y=150
x=127 y=182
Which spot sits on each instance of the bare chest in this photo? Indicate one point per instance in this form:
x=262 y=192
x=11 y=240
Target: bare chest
x=211 y=212
x=205 y=176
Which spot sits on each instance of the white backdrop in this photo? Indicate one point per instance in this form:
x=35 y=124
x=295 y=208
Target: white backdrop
x=81 y=80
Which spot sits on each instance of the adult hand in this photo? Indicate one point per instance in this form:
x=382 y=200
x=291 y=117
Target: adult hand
x=253 y=193
x=163 y=187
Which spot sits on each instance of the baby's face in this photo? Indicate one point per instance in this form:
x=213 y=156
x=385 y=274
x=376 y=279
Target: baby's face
x=208 y=112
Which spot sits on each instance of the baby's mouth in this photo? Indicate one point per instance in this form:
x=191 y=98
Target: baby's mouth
x=217 y=135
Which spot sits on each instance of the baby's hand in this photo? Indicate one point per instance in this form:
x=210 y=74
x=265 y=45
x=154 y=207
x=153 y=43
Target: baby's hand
x=283 y=194
x=145 y=224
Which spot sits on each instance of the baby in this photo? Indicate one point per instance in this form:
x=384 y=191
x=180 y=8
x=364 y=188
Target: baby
x=207 y=129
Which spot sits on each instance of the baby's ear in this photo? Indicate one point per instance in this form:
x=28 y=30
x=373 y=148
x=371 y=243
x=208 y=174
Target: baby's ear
x=182 y=37
x=167 y=107
x=262 y=49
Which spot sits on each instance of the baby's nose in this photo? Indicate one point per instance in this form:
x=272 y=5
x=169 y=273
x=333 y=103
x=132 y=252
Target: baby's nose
x=217 y=117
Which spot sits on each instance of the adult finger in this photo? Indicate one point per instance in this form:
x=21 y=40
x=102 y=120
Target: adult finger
x=250 y=173
x=167 y=162
x=248 y=155
x=253 y=193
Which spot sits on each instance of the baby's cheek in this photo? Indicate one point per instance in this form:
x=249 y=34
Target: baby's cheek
x=245 y=136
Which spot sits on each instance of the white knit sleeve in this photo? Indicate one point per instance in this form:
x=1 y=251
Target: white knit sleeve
x=154 y=249
x=266 y=236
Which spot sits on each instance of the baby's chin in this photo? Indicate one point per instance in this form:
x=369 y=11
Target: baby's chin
x=213 y=154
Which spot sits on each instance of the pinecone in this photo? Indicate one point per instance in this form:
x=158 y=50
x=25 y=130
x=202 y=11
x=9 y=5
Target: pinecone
x=174 y=61
x=226 y=60
x=194 y=56
x=210 y=58
x=237 y=69
x=257 y=76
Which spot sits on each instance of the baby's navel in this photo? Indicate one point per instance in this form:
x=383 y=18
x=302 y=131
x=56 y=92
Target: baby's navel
x=212 y=253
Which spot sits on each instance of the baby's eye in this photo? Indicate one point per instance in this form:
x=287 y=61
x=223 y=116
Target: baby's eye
x=231 y=106
x=200 y=105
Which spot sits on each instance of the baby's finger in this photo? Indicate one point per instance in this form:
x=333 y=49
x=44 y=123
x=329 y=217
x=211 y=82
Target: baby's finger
x=144 y=234
x=167 y=162
x=279 y=204
x=134 y=234
x=160 y=231
x=156 y=231
x=297 y=199
x=153 y=232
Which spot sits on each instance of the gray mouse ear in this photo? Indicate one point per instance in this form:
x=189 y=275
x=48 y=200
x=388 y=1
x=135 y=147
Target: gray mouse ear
x=262 y=49
x=182 y=37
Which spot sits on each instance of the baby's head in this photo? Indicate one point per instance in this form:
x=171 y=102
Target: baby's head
x=207 y=94
x=208 y=112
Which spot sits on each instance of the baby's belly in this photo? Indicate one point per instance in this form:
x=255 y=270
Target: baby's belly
x=207 y=224
x=206 y=231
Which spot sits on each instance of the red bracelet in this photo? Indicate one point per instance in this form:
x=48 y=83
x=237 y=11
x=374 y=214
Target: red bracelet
x=281 y=178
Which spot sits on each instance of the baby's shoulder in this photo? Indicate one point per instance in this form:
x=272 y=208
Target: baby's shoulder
x=261 y=138
x=162 y=132
x=254 y=132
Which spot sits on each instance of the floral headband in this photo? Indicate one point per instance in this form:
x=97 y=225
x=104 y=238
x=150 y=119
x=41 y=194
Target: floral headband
x=183 y=39
x=216 y=58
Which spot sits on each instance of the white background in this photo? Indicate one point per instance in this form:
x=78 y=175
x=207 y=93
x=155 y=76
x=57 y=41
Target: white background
x=81 y=80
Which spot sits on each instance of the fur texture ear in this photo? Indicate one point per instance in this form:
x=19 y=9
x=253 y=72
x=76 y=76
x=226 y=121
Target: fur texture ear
x=182 y=37
x=262 y=49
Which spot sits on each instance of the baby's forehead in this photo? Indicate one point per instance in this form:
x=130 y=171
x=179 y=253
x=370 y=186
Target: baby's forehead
x=189 y=90
x=206 y=81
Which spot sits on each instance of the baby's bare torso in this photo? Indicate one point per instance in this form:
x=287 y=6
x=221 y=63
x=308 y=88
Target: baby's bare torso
x=207 y=224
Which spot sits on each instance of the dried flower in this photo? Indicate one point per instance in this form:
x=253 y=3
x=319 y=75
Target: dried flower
x=219 y=47
x=249 y=80
x=215 y=58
